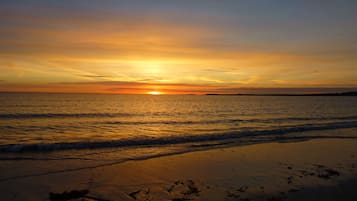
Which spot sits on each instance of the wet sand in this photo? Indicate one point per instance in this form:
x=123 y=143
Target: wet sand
x=307 y=170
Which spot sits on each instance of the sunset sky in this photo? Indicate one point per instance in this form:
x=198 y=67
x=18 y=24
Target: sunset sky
x=178 y=47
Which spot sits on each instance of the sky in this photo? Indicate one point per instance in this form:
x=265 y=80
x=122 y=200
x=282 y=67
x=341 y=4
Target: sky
x=178 y=47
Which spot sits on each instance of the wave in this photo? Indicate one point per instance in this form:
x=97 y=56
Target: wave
x=275 y=133
x=216 y=121
x=61 y=115
x=229 y=120
x=233 y=121
x=303 y=119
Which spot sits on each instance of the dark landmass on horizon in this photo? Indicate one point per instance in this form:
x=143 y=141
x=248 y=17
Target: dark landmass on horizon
x=352 y=93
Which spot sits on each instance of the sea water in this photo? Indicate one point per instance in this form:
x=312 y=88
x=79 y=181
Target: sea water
x=31 y=122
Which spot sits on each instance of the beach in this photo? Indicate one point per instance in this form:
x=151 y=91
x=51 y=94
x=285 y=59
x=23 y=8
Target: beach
x=321 y=169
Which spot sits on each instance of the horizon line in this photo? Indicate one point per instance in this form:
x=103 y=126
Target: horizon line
x=353 y=92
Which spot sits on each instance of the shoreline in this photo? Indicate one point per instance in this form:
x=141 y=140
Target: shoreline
x=279 y=134
x=270 y=171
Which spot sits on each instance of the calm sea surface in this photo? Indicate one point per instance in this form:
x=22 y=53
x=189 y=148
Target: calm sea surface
x=42 y=122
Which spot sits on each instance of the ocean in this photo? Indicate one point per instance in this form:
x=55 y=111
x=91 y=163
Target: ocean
x=32 y=123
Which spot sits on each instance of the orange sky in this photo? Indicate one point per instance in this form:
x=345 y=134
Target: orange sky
x=187 y=47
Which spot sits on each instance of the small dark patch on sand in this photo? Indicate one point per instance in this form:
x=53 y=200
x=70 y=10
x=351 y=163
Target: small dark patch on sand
x=327 y=173
x=244 y=199
x=290 y=179
x=176 y=183
x=232 y=194
x=181 y=199
x=96 y=199
x=306 y=173
x=318 y=165
x=71 y=195
x=324 y=172
x=192 y=188
x=134 y=194
x=243 y=189
x=319 y=171
x=189 y=186
x=288 y=166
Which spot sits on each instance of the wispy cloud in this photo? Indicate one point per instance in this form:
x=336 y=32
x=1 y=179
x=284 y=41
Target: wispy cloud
x=118 y=87
x=94 y=77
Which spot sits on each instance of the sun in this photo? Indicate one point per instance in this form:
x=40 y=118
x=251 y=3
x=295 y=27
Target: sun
x=154 y=92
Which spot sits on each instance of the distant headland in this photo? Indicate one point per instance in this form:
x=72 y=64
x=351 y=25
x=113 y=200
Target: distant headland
x=351 y=93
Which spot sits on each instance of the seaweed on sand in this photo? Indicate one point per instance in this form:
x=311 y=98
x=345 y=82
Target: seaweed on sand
x=71 y=195
x=75 y=194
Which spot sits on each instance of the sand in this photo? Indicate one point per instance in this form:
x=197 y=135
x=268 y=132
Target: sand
x=308 y=170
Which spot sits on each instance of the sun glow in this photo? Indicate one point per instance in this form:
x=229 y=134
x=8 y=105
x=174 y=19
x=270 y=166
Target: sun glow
x=154 y=93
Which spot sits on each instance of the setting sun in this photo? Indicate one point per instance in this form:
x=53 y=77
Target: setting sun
x=154 y=93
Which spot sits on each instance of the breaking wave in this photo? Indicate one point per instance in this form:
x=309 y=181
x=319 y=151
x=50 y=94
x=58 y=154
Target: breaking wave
x=273 y=133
